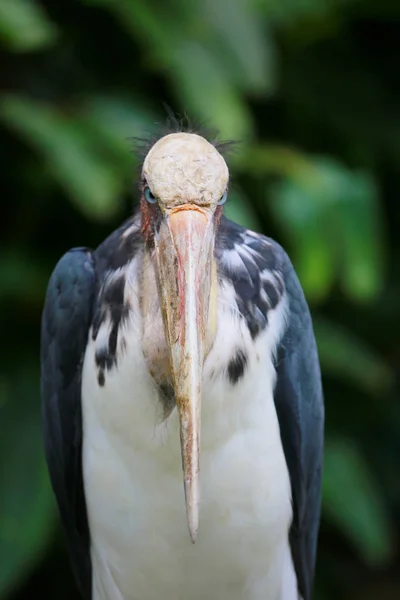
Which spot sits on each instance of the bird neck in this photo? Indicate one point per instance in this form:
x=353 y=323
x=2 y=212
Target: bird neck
x=212 y=310
x=154 y=344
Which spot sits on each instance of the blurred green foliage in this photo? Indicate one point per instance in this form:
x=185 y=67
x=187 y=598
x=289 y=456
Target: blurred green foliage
x=311 y=90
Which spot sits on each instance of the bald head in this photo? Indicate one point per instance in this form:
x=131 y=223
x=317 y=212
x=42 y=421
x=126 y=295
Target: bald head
x=183 y=168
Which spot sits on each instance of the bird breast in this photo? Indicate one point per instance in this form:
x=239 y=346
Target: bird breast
x=133 y=474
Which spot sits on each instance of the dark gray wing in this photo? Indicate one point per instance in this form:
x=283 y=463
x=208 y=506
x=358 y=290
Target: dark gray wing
x=66 y=321
x=300 y=408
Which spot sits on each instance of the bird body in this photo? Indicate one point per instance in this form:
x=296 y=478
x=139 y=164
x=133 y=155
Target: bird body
x=131 y=459
x=112 y=425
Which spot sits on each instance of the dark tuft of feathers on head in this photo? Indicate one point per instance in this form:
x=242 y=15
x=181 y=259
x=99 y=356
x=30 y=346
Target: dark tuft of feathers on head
x=178 y=124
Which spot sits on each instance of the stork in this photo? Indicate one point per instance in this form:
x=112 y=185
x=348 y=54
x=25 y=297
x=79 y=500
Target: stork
x=179 y=317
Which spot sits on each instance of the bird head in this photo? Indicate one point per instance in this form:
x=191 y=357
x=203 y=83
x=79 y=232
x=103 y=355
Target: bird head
x=184 y=184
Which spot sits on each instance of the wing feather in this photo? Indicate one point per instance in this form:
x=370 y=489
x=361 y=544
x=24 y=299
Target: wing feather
x=300 y=408
x=66 y=321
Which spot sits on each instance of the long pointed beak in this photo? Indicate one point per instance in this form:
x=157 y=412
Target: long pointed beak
x=184 y=250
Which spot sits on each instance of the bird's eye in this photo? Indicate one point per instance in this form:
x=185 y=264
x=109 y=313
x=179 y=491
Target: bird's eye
x=150 y=197
x=223 y=198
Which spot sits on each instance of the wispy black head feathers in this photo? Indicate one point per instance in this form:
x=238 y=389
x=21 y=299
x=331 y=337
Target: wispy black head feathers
x=177 y=124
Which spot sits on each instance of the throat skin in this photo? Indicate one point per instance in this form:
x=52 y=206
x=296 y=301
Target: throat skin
x=154 y=344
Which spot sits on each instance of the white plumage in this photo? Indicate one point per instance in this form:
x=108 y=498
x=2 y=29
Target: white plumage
x=133 y=471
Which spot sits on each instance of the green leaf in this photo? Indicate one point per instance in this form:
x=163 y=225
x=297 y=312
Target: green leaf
x=156 y=28
x=284 y=12
x=72 y=155
x=353 y=502
x=244 y=48
x=344 y=356
x=24 y=26
x=300 y=218
x=203 y=85
x=239 y=209
x=206 y=91
x=363 y=241
x=27 y=508
x=115 y=120
x=21 y=277
x=351 y=201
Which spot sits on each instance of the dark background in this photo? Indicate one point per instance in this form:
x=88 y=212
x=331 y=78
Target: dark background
x=312 y=90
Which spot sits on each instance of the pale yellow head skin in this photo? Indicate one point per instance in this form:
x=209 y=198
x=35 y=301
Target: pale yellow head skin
x=184 y=168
